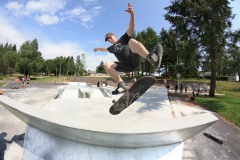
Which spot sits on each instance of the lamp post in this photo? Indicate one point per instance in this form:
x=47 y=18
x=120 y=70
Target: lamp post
x=178 y=74
x=60 y=69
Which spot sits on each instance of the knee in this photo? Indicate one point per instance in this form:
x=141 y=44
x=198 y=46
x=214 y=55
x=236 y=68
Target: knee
x=107 y=65
x=134 y=44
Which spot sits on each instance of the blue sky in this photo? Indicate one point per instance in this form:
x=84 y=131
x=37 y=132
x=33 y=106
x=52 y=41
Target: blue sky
x=70 y=28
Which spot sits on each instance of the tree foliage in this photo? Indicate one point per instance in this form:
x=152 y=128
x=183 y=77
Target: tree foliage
x=100 y=68
x=81 y=64
x=202 y=22
x=30 y=59
x=8 y=58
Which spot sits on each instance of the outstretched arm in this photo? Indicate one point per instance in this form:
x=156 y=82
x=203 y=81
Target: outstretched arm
x=131 y=24
x=101 y=49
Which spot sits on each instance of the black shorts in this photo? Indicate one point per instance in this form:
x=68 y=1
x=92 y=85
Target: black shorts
x=129 y=66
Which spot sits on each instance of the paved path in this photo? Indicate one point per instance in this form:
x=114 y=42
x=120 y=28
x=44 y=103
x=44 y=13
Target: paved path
x=202 y=148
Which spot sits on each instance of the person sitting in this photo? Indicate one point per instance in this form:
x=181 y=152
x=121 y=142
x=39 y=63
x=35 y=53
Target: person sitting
x=191 y=98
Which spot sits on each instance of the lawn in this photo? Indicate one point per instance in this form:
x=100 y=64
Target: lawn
x=44 y=79
x=226 y=105
x=51 y=78
x=1 y=84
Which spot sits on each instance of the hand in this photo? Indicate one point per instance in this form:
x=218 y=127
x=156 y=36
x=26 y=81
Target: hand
x=129 y=10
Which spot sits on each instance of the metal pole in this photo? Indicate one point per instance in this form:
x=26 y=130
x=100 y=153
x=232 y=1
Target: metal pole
x=60 y=69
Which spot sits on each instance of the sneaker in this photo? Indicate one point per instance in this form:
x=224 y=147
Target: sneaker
x=155 y=58
x=115 y=91
x=121 y=86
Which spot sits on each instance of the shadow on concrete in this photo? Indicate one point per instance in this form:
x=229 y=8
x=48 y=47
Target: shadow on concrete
x=151 y=103
x=19 y=139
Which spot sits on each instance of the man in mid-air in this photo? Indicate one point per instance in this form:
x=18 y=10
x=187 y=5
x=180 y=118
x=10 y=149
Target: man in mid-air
x=128 y=51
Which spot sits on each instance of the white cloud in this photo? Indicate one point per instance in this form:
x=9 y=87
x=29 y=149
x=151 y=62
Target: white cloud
x=34 y=6
x=52 y=50
x=45 y=6
x=86 y=16
x=49 y=12
x=93 y=60
x=88 y=1
x=76 y=11
x=44 y=11
x=10 y=34
x=14 y=6
x=96 y=10
x=47 y=19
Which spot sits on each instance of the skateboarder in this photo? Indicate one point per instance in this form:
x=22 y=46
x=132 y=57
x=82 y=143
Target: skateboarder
x=128 y=52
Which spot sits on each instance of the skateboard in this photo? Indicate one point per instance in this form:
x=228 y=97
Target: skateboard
x=131 y=95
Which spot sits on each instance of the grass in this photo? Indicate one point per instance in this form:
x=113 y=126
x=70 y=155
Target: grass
x=226 y=105
x=44 y=79
x=1 y=84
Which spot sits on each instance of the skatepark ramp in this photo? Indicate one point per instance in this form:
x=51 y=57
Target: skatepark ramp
x=83 y=127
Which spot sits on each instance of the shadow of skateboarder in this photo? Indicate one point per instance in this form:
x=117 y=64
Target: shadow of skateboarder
x=3 y=142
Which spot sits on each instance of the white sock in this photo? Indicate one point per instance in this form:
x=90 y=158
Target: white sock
x=154 y=57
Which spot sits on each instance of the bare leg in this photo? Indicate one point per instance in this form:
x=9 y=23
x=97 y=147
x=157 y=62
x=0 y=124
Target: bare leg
x=137 y=47
x=110 y=69
x=154 y=58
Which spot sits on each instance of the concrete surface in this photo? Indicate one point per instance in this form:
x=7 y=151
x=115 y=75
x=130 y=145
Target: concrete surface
x=202 y=148
x=148 y=122
x=50 y=147
x=198 y=147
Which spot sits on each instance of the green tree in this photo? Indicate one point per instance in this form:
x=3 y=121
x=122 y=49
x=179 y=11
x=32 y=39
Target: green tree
x=100 y=68
x=80 y=68
x=70 y=66
x=231 y=64
x=188 y=59
x=49 y=67
x=169 y=59
x=30 y=59
x=202 y=22
x=179 y=56
x=8 y=58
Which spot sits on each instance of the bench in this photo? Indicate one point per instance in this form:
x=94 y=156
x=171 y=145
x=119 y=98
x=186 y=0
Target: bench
x=85 y=92
x=106 y=91
x=60 y=91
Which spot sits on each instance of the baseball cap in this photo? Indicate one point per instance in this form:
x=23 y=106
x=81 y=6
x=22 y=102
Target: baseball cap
x=107 y=35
